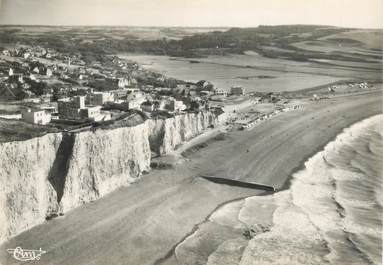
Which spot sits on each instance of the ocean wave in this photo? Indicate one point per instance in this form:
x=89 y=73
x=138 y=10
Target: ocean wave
x=332 y=211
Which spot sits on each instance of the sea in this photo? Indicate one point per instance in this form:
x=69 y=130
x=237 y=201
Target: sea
x=332 y=211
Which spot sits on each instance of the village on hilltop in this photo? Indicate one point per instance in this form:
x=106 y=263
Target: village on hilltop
x=65 y=91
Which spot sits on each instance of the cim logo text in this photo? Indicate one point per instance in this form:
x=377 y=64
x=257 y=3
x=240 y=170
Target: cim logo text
x=26 y=254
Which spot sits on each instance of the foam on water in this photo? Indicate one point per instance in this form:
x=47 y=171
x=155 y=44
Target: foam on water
x=332 y=213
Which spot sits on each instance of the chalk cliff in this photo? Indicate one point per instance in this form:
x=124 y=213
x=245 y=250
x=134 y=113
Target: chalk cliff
x=58 y=172
x=102 y=161
x=167 y=134
x=26 y=195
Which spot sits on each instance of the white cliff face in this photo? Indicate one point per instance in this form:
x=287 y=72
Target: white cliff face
x=26 y=195
x=58 y=172
x=104 y=160
x=166 y=135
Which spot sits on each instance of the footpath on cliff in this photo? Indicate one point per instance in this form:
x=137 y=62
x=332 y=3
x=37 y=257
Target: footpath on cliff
x=144 y=223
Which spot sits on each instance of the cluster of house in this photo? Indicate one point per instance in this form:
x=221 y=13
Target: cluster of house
x=37 y=71
x=18 y=73
x=41 y=52
x=98 y=106
x=234 y=90
x=31 y=80
x=29 y=77
x=362 y=85
x=250 y=123
x=208 y=89
x=75 y=87
x=31 y=69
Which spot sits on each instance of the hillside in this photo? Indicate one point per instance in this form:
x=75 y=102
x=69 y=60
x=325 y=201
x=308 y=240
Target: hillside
x=296 y=42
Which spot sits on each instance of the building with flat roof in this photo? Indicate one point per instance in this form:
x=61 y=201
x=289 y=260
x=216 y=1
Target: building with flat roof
x=100 y=98
x=36 y=116
x=70 y=108
x=91 y=112
x=119 y=93
x=237 y=90
x=148 y=106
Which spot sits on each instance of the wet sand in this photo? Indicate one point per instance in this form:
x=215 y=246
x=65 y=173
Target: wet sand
x=144 y=223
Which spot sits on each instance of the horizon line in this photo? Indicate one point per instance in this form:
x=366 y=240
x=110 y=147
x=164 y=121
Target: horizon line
x=175 y=26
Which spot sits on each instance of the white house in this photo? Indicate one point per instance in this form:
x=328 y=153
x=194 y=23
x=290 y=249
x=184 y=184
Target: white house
x=36 y=116
x=36 y=70
x=220 y=92
x=91 y=112
x=27 y=55
x=123 y=82
x=49 y=72
x=32 y=77
x=6 y=53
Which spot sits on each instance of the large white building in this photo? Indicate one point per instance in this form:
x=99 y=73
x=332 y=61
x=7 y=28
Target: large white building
x=93 y=113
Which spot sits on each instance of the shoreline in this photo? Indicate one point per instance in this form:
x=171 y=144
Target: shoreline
x=287 y=184
x=285 y=187
x=349 y=137
x=171 y=252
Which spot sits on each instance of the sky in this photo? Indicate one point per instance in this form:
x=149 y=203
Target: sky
x=193 y=13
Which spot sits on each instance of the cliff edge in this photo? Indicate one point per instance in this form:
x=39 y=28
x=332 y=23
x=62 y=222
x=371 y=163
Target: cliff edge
x=52 y=174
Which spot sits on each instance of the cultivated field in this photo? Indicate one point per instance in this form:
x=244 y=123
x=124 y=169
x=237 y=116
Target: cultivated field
x=361 y=45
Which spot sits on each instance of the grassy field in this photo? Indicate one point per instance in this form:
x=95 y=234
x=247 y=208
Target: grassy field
x=329 y=47
x=360 y=65
x=13 y=130
x=362 y=44
x=11 y=107
x=90 y=34
x=370 y=39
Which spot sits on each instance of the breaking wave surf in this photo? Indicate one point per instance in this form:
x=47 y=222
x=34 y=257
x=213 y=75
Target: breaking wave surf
x=332 y=212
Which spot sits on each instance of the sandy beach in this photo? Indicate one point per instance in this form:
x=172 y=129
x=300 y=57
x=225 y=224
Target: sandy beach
x=144 y=223
x=330 y=213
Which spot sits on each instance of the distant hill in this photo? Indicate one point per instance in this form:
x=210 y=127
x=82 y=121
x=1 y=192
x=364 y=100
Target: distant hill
x=295 y=42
